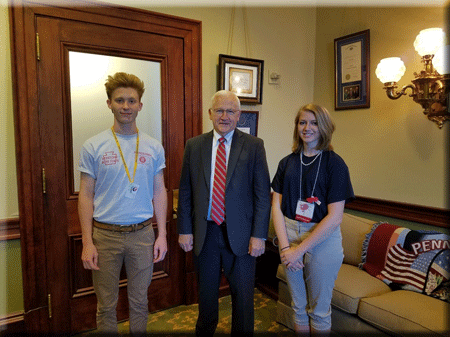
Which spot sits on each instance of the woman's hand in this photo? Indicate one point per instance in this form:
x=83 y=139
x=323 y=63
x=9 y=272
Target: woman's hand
x=292 y=258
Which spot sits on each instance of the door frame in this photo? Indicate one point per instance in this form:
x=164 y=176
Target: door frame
x=24 y=50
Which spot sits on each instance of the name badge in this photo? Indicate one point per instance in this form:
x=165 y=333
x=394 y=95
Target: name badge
x=132 y=190
x=305 y=211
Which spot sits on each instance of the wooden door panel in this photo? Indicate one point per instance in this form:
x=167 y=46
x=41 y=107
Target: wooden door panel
x=73 y=299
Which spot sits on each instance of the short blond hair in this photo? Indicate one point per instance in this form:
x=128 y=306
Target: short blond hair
x=124 y=80
x=324 y=122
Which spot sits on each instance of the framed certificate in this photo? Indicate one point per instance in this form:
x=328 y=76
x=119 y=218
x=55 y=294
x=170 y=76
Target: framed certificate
x=352 y=71
x=243 y=76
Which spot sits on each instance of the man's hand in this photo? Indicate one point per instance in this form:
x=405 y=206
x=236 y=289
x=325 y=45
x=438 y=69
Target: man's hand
x=160 y=249
x=256 y=246
x=186 y=242
x=89 y=256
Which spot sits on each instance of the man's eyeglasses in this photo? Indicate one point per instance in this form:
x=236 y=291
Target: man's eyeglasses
x=219 y=112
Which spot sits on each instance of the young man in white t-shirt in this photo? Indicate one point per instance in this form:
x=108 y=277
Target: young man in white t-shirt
x=121 y=188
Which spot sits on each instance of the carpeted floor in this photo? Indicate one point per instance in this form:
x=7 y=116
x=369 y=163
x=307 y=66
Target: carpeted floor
x=181 y=320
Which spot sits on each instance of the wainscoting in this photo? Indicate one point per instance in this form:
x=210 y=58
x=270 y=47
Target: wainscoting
x=9 y=229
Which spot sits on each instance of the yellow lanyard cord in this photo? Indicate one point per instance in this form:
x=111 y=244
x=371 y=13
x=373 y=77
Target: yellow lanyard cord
x=123 y=159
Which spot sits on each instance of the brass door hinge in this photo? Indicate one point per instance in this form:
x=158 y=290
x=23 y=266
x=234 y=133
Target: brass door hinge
x=49 y=297
x=38 y=47
x=44 y=185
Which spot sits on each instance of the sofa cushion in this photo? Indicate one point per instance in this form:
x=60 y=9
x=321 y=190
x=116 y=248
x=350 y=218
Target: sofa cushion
x=407 y=313
x=285 y=315
x=284 y=294
x=354 y=230
x=351 y=285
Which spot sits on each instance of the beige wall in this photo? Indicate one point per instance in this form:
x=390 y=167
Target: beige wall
x=8 y=187
x=392 y=150
x=10 y=264
x=284 y=39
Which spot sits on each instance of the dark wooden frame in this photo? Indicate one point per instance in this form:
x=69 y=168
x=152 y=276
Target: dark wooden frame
x=249 y=119
x=242 y=63
x=363 y=85
x=25 y=100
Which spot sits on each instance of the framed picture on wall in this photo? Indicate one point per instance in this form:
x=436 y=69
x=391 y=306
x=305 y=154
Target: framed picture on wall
x=243 y=76
x=352 y=71
x=249 y=122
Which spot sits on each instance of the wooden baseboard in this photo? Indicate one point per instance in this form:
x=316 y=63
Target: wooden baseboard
x=12 y=323
x=410 y=212
x=9 y=229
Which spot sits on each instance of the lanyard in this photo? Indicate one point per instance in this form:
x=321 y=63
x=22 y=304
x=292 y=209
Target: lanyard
x=123 y=159
x=301 y=171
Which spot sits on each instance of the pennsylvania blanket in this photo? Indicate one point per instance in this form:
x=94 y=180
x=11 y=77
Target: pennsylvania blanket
x=408 y=259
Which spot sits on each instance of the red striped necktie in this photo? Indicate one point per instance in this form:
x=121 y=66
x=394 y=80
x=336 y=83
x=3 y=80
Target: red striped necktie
x=220 y=174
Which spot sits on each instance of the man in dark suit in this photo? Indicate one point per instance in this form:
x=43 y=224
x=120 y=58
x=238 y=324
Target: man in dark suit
x=228 y=236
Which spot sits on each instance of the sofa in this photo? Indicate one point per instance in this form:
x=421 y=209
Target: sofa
x=364 y=305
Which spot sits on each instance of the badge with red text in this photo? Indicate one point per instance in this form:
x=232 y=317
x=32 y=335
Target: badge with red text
x=132 y=190
x=305 y=211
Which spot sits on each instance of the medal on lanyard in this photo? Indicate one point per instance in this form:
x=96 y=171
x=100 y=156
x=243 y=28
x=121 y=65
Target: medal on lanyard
x=132 y=188
x=305 y=209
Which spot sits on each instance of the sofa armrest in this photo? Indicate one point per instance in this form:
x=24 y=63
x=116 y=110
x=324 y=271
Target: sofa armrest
x=354 y=230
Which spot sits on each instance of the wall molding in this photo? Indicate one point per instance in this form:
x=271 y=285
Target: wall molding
x=12 y=323
x=9 y=229
x=427 y=215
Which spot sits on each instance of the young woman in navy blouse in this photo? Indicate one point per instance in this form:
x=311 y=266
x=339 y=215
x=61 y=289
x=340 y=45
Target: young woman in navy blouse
x=311 y=187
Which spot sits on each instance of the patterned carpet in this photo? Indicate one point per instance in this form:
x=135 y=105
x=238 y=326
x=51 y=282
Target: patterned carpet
x=180 y=321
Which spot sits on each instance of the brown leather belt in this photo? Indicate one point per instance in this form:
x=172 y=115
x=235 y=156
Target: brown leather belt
x=123 y=228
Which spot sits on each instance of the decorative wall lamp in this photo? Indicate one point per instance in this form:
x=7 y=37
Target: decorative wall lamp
x=430 y=87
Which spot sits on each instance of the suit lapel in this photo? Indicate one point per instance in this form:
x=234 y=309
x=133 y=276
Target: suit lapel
x=235 y=151
x=207 y=157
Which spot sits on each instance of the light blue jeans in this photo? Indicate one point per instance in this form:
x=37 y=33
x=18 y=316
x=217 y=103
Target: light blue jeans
x=311 y=288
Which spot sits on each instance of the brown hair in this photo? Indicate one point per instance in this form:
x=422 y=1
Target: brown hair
x=324 y=123
x=124 y=80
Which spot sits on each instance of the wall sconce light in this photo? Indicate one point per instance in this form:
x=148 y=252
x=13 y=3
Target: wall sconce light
x=430 y=87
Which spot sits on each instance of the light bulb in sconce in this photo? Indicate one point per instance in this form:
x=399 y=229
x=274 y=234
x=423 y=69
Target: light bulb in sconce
x=390 y=69
x=430 y=87
x=441 y=60
x=429 y=41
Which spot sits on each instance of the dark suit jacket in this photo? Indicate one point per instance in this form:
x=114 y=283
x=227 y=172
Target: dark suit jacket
x=247 y=191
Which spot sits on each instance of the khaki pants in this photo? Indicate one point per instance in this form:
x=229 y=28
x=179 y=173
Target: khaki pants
x=135 y=249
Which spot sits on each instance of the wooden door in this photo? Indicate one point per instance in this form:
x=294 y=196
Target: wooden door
x=71 y=296
x=57 y=291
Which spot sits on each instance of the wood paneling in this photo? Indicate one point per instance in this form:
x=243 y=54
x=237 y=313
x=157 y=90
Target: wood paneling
x=9 y=229
x=13 y=323
x=421 y=214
